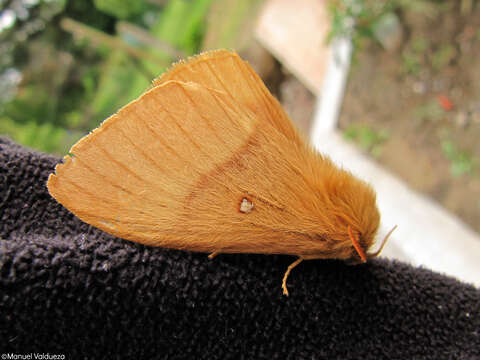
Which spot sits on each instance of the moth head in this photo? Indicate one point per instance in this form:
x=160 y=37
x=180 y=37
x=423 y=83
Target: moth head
x=362 y=254
x=348 y=210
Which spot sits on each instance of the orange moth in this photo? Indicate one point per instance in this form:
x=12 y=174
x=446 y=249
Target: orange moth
x=207 y=160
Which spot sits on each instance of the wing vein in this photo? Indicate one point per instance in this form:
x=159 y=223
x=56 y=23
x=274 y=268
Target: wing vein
x=162 y=140
x=211 y=91
x=260 y=94
x=111 y=158
x=116 y=185
x=78 y=159
x=184 y=132
x=139 y=149
x=225 y=88
x=205 y=119
x=106 y=200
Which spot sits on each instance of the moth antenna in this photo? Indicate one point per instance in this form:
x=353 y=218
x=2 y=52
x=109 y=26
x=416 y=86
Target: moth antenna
x=356 y=245
x=289 y=269
x=376 y=253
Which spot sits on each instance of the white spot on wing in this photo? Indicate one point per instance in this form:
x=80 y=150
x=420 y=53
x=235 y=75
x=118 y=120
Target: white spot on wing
x=246 y=206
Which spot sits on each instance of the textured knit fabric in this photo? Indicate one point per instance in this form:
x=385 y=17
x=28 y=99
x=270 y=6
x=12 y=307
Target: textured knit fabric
x=67 y=288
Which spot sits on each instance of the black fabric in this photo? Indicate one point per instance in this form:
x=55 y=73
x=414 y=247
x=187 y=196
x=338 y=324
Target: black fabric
x=67 y=288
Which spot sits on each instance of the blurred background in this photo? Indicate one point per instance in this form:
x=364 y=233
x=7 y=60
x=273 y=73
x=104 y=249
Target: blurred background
x=411 y=103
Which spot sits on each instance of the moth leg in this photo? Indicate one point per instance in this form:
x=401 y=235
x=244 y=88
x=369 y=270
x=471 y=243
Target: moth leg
x=289 y=269
x=213 y=254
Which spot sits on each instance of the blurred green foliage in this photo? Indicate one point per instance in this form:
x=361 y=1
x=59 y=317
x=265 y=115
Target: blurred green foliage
x=358 y=19
x=70 y=80
x=443 y=56
x=429 y=111
x=121 y=9
x=413 y=54
x=183 y=24
x=461 y=162
x=369 y=139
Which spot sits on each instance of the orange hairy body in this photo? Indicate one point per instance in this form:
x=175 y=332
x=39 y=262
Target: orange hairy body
x=207 y=160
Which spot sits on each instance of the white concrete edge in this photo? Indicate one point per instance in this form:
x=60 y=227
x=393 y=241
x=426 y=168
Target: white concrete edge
x=333 y=87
